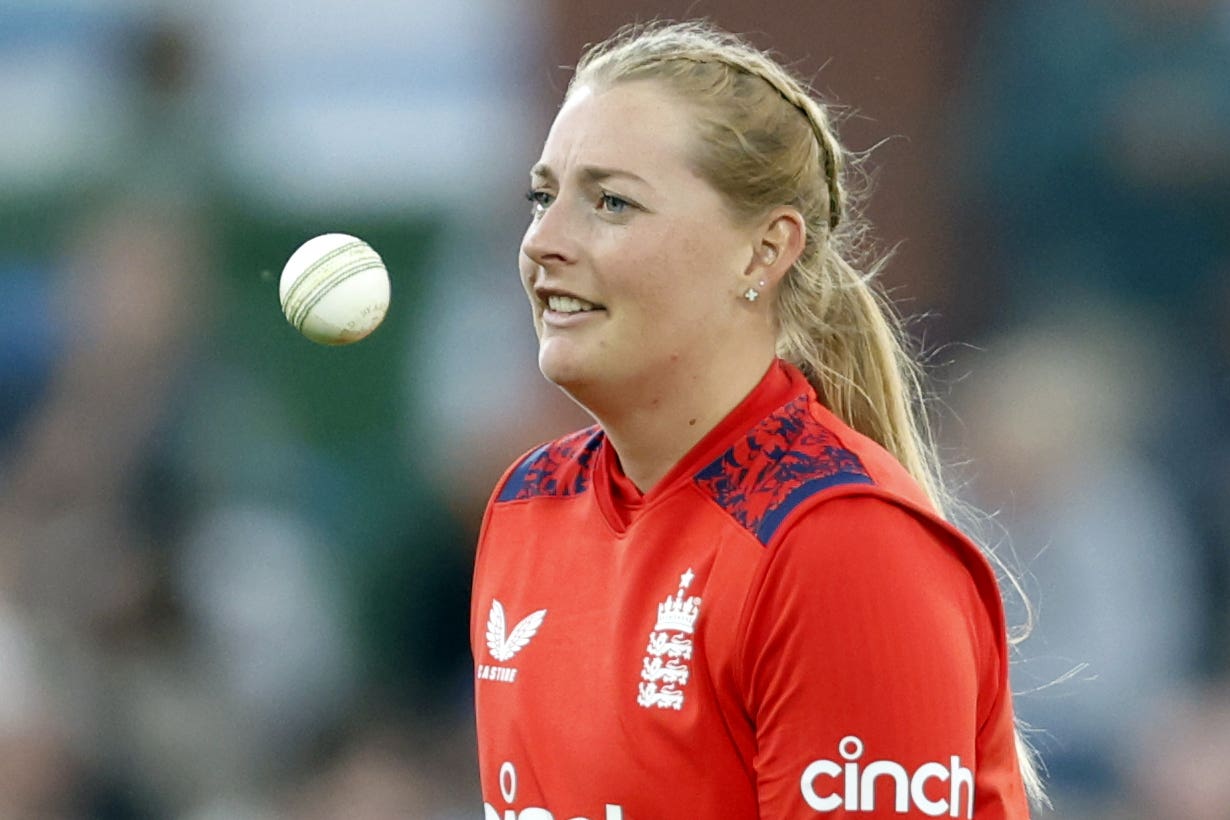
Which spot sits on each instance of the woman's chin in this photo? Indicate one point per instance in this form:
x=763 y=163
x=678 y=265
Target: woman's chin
x=567 y=364
x=559 y=368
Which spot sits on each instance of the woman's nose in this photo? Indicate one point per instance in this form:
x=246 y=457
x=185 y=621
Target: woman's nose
x=549 y=240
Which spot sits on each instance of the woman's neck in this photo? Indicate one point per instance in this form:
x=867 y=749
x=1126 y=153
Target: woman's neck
x=654 y=426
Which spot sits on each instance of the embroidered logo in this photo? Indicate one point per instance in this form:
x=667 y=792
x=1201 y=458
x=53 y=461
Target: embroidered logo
x=666 y=667
x=503 y=645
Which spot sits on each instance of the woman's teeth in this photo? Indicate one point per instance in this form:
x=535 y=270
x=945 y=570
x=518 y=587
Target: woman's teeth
x=568 y=304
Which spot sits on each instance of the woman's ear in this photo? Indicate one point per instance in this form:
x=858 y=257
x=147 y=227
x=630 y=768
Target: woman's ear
x=778 y=245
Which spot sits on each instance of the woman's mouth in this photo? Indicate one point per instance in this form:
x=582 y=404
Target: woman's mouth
x=565 y=310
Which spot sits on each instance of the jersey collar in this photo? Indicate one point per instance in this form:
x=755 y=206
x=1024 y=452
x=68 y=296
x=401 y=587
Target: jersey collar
x=621 y=500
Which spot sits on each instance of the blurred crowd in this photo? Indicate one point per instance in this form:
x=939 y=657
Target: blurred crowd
x=234 y=566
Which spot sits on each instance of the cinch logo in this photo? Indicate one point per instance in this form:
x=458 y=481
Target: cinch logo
x=857 y=790
x=508 y=790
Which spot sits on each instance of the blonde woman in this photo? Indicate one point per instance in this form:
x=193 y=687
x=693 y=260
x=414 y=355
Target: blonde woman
x=735 y=596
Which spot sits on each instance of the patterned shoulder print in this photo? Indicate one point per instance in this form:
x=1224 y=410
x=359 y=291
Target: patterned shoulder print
x=783 y=461
x=559 y=468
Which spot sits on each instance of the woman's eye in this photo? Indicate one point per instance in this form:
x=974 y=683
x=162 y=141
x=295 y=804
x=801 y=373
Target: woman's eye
x=539 y=200
x=614 y=205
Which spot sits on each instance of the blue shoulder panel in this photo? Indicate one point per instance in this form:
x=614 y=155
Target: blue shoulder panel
x=786 y=459
x=559 y=468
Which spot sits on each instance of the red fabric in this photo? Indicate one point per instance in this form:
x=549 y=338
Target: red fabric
x=675 y=656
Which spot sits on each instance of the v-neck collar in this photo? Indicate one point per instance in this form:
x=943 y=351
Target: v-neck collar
x=621 y=501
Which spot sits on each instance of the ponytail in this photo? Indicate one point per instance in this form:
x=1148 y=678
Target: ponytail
x=844 y=336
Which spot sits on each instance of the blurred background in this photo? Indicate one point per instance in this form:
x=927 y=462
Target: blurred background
x=234 y=565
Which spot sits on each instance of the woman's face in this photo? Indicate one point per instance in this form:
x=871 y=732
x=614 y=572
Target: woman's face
x=632 y=263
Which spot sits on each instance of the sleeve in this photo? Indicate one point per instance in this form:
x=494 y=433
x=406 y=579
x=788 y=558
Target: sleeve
x=866 y=643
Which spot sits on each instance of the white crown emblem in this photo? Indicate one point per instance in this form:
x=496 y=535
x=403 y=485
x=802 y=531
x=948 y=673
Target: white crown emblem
x=662 y=680
x=678 y=613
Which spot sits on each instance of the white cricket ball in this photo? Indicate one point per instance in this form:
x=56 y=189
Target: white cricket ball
x=334 y=289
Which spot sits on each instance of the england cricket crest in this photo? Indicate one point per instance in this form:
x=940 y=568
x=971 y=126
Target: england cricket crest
x=668 y=656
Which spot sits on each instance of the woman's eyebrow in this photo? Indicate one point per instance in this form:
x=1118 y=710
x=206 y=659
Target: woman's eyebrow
x=592 y=173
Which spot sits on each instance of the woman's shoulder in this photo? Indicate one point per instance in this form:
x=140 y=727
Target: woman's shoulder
x=880 y=530
x=873 y=547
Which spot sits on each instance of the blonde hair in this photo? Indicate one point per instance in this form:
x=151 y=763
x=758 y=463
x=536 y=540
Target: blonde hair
x=766 y=141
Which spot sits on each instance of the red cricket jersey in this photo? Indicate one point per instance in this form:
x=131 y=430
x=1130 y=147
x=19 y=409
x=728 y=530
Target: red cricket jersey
x=781 y=628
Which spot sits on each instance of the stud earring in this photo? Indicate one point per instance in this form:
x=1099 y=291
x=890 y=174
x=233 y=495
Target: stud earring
x=751 y=294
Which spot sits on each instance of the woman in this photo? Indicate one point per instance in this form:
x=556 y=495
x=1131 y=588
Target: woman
x=734 y=596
